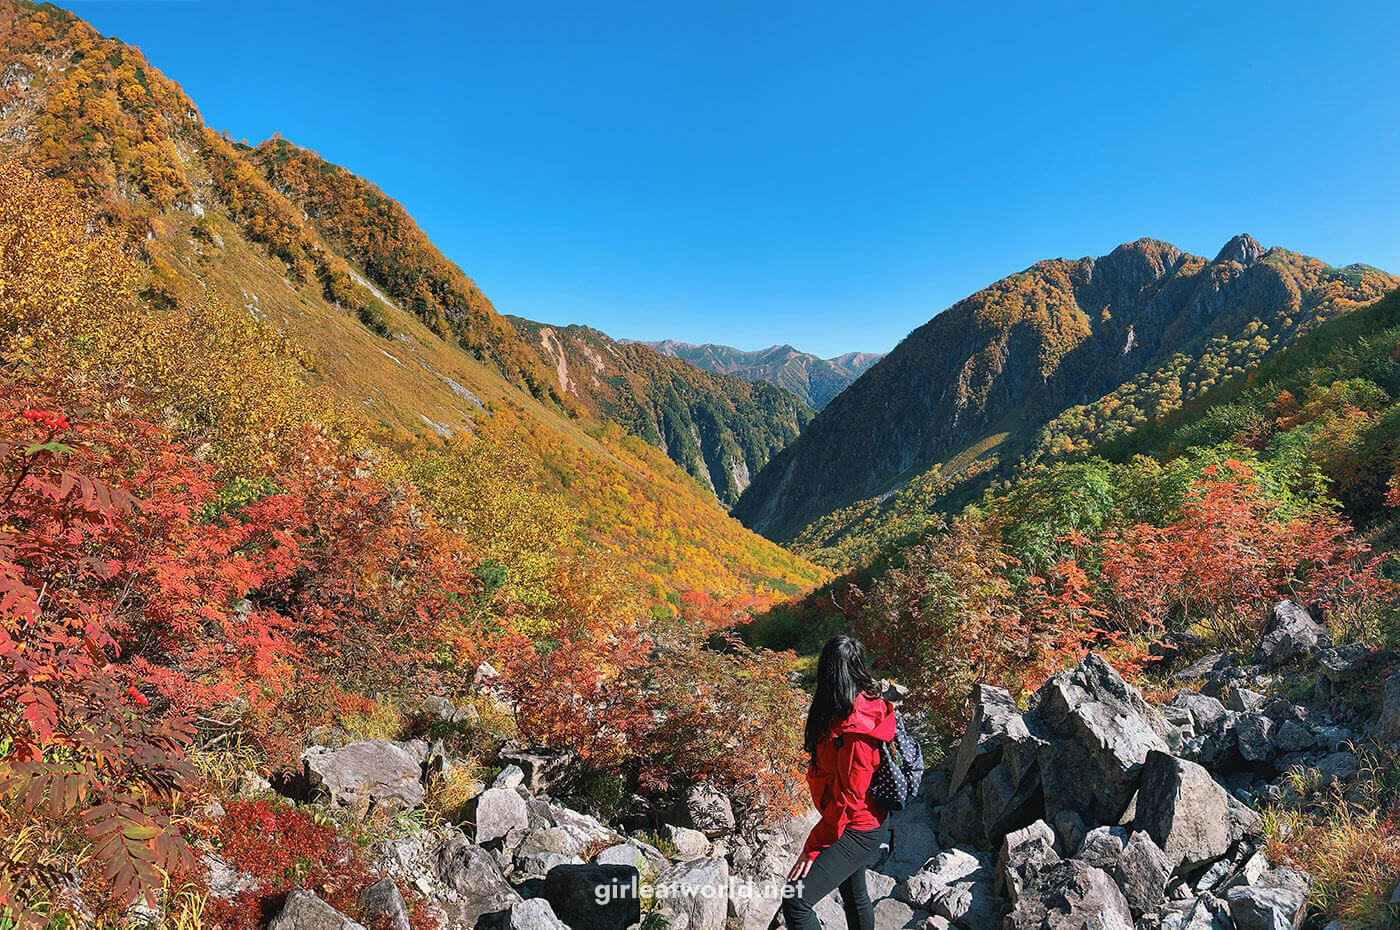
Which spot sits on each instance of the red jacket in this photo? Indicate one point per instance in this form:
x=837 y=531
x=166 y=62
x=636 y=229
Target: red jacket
x=840 y=775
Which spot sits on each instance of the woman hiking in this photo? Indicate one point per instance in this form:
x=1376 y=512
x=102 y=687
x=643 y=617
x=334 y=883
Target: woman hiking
x=846 y=724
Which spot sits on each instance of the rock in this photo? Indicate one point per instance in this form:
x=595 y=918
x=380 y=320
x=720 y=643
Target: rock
x=641 y=856
x=1337 y=767
x=936 y=785
x=1009 y=803
x=1254 y=735
x=694 y=895
x=895 y=915
x=1213 y=740
x=1023 y=853
x=708 y=810
x=1343 y=663
x=560 y=841
x=1203 y=667
x=1103 y=847
x=1289 y=633
x=1388 y=727
x=1244 y=701
x=594 y=897
x=482 y=894
x=304 y=911
x=365 y=773
x=913 y=840
x=1293 y=736
x=439 y=708
x=969 y=905
x=510 y=776
x=690 y=844
x=535 y=914
x=384 y=904
x=1188 y=814
x=960 y=823
x=496 y=812
x=980 y=748
x=543 y=768
x=1142 y=873
x=1255 y=908
x=1334 y=739
x=537 y=864
x=1069 y=895
x=1206 y=913
x=943 y=871
x=1096 y=731
x=224 y=880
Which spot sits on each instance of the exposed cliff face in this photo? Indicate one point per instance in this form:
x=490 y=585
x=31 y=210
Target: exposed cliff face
x=720 y=428
x=1147 y=324
x=814 y=380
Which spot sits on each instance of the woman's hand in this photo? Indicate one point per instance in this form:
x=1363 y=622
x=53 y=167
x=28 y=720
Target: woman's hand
x=800 y=868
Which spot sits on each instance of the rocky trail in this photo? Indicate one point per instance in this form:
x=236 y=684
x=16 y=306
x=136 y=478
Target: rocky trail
x=1088 y=808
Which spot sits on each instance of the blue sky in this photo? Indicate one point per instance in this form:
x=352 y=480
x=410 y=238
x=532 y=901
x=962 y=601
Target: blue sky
x=829 y=175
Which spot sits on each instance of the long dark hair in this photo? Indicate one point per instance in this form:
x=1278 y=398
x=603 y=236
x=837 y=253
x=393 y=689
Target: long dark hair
x=841 y=676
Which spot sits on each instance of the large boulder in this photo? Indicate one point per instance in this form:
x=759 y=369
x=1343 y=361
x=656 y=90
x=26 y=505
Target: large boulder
x=761 y=871
x=913 y=840
x=543 y=768
x=708 y=810
x=1142 y=873
x=980 y=748
x=480 y=894
x=594 y=897
x=1289 y=633
x=1023 y=853
x=1070 y=895
x=535 y=914
x=1095 y=731
x=1206 y=912
x=304 y=911
x=384 y=904
x=1188 y=814
x=943 y=871
x=497 y=812
x=694 y=895
x=365 y=773
x=1261 y=908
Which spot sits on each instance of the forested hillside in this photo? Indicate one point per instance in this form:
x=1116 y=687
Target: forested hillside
x=815 y=380
x=1031 y=369
x=720 y=428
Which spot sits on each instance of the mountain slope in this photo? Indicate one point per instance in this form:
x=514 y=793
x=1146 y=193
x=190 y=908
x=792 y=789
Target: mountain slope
x=719 y=428
x=815 y=380
x=428 y=365
x=1038 y=364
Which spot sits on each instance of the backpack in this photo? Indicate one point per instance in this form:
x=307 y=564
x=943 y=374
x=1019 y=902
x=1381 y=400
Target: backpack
x=901 y=769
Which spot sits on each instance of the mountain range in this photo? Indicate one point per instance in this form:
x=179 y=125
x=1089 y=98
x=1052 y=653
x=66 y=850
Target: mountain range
x=814 y=380
x=1033 y=367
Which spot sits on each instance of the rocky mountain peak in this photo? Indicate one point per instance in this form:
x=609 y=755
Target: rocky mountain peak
x=1244 y=249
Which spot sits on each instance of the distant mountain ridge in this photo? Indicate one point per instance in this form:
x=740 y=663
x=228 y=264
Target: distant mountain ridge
x=719 y=428
x=815 y=380
x=1034 y=367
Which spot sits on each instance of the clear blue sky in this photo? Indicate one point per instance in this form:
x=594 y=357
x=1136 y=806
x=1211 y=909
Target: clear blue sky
x=825 y=174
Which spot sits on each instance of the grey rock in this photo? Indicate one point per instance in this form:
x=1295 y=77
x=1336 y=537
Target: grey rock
x=1254 y=908
x=708 y=810
x=690 y=844
x=1008 y=803
x=1070 y=895
x=960 y=822
x=1188 y=814
x=1254 y=734
x=968 y=905
x=1343 y=663
x=1098 y=731
x=365 y=773
x=1206 y=913
x=639 y=855
x=1070 y=829
x=1337 y=767
x=573 y=892
x=1388 y=726
x=224 y=880
x=1142 y=873
x=544 y=768
x=496 y=812
x=896 y=915
x=1023 y=853
x=1244 y=701
x=534 y=914
x=1203 y=667
x=480 y=888
x=1289 y=633
x=383 y=902
x=304 y=911
x=980 y=748
x=1293 y=736
x=1103 y=847
x=913 y=840
x=1334 y=739
x=694 y=895
x=511 y=776
x=945 y=870
x=537 y=864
